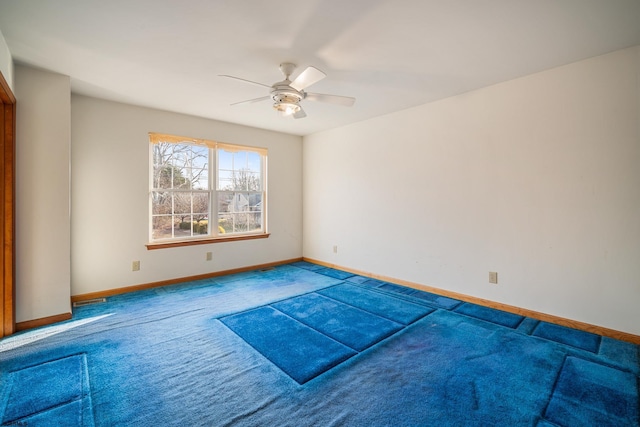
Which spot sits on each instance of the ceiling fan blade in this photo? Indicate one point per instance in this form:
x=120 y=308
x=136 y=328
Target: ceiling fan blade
x=346 y=101
x=251 y=101
x=244 y=80
x=308 y=77
x=300 y=114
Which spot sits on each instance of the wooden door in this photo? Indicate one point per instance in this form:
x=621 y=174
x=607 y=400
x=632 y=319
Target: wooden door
x=7 y=208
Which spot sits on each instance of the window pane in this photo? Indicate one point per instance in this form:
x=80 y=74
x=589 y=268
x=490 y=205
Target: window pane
x=224 y=202
x=200 y=206
x=255 y=202
x=201 y=181
x=254 y=161
x=254 y=221
x=244 y=222
x=162 y=227
x=224 y=180
x=161 y=202
x=180 y=166
x=242 y=180
x=182 y=203
x=240 y=212
x=239 y=171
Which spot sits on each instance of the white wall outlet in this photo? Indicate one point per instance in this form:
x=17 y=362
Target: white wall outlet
x=209 y=256
x=335 y=249
x=135 y=266
x=493 y=277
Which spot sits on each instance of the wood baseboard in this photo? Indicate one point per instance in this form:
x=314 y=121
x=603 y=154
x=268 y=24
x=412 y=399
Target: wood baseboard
x=144 y=286
x=44 y=321
x=599 y=330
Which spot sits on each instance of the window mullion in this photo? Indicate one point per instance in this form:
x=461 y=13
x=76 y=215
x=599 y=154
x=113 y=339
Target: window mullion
x=213 y=191
x=173 y=218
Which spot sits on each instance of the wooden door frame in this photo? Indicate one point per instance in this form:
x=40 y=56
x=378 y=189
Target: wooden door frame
x=7 y=208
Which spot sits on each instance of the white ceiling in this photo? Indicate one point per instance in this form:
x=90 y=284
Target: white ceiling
x=389 y=54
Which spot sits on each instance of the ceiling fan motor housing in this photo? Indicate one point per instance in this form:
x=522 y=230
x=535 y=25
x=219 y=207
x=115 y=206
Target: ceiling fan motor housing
x=283 y=93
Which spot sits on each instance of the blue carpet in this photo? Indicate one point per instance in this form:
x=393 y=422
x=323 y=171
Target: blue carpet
x=432 y=299
x=298 y=350
x=348 y=325
x=573 y=337
x=308 y=266
x=337 y=274
x=56 y=391
x=396 y=288
x=383 y=305
x=591 y=394
x=304 y=335
x=357 y=279
x=164 y=357
x=444 y=302
x=374 y=283
x=502 y=318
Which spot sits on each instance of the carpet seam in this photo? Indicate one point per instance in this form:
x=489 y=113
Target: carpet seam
x=553 y=388
x=479 y=320
x=275 y=364
x=245 y=342
x=599 y=362
x=376 y=314
x=231 y=313
x=6 y=388
x=638 y=393
x=519 y=323
x=311 y=327
x=59 y=405
x=402 y=326
x=82 y=392
x=596 y=353
x=599 y=344
x=87 y=378
x=405 y=297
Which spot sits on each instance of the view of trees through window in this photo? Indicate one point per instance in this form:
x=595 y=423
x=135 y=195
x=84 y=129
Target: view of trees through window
x=192 y=183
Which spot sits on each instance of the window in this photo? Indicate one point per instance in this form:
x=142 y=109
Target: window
x=203 y=189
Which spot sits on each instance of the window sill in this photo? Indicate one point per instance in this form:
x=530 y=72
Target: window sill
x=177 y=244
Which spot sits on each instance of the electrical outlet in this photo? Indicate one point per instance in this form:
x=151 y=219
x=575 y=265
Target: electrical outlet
x=335 y=249
x=135 y=266
x=493 y=277
x=209 y=256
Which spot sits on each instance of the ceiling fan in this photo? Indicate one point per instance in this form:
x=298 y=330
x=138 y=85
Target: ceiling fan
x=287 y=94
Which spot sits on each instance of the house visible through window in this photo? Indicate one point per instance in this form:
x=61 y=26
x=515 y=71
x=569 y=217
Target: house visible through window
x=205 y=189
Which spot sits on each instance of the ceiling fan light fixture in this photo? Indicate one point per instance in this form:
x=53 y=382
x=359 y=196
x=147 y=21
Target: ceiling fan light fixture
x=286 y=109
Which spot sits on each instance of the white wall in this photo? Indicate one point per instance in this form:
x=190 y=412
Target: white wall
x=110 y=184
x=42 y=194
x=6 y=62
x=537 y=178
